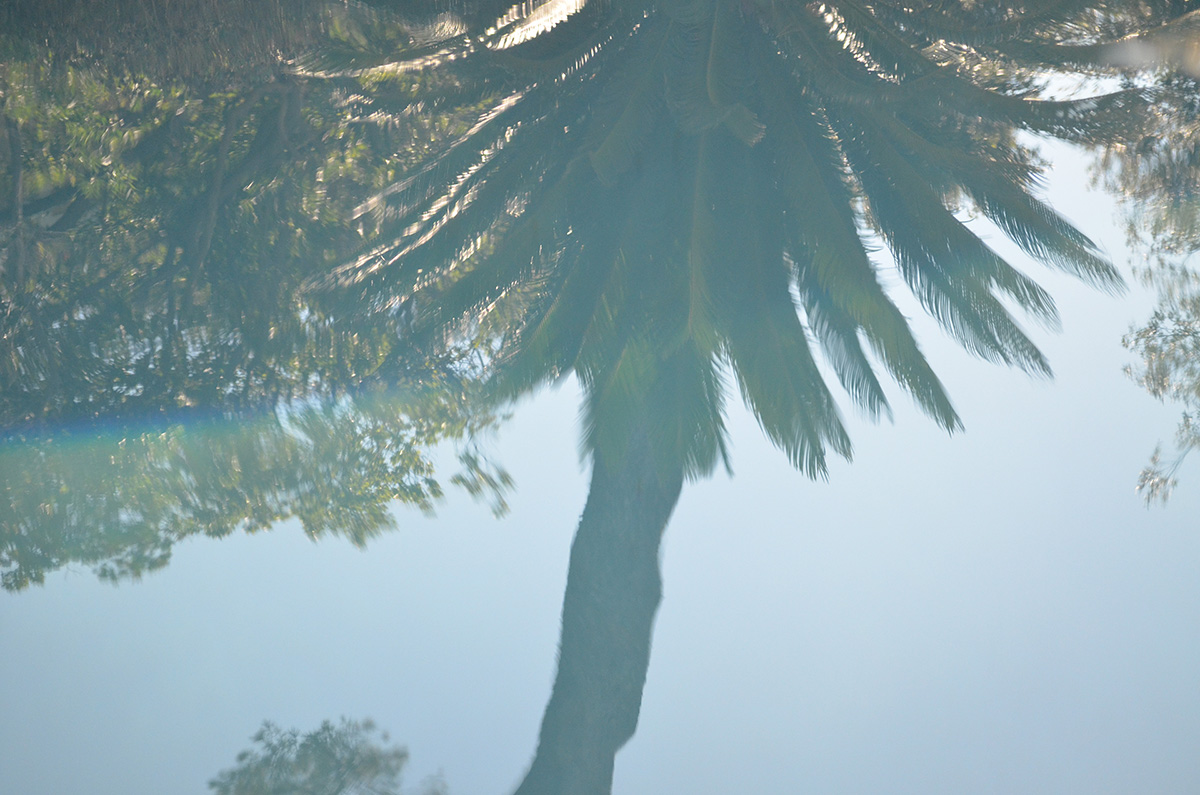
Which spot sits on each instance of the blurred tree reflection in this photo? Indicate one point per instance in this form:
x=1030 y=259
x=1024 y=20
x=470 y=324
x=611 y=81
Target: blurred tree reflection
x=671 y=194
x=156 y=234
x=1168 y=347
x=1157 y=176
x=119 y=500
x=156 y=241
x=345 y=759
x=200 y=42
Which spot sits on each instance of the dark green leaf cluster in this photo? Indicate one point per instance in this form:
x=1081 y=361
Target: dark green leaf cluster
x=164 y=372
x=664 y=195
x=119 y=499
x=345 y=759
x=155 y=238
x=1168 y=367
x=203 y=43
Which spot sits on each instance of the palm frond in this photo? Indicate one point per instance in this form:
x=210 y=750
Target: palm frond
x=954 y=288
x=1083 y=121
x=952 y=247
x=831 y=259
x=1161 y=44
x=552 y=334
x=780 y=382
x=838 y=334
x=820 y=61
x=752 y=310
x=362 y=39
x=996 y=185
x=1017 y=25
x=630 y=107
x=532 y=21
x=676 y=401
x=516 y=251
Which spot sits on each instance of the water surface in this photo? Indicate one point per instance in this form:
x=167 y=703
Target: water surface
x=315 y=351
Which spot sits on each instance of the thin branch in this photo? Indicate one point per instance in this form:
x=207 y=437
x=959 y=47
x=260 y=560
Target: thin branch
x=18 y=194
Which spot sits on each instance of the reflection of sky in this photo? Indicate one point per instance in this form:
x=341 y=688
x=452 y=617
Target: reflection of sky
x=990 y=612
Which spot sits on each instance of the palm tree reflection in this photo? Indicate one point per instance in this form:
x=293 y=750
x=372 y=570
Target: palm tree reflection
x=662 y=196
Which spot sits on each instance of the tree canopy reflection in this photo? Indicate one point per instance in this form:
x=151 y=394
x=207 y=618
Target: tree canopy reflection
x=120 y=499
x=349 y=758
x=1158 y=175
x=162 y=371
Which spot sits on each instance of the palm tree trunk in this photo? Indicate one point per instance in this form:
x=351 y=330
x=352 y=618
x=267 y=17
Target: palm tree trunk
x=613 y=591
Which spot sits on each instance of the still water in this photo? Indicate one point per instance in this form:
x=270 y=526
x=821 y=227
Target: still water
x=321 y=331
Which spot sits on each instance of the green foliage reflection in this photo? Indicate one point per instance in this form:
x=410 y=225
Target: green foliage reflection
x=1158 y=177
x=163 y=370
x=119 y=500
x=345 y=759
